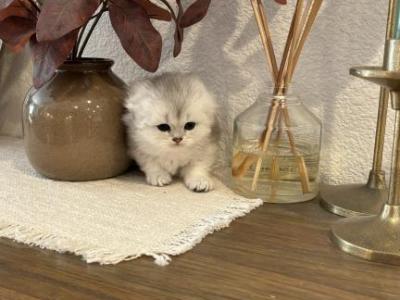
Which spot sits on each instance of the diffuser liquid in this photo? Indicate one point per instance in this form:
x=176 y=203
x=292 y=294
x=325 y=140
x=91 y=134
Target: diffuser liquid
x=279 y=179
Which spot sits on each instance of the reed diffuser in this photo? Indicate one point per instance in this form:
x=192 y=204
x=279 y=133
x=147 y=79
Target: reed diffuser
x=277 y=139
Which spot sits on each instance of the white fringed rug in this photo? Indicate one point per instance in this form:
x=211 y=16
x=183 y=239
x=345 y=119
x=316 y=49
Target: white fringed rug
x=108 y=221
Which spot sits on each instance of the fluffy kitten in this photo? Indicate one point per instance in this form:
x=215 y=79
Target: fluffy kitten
x=172 y=130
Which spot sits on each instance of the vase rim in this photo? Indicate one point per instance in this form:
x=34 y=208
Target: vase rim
x=87 y=64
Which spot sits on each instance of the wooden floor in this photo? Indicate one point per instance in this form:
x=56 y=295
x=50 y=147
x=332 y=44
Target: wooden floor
x=277 y=252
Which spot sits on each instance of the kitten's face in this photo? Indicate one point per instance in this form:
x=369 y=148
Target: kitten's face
x=167 y=128
x=178 y=130
x=163 y=122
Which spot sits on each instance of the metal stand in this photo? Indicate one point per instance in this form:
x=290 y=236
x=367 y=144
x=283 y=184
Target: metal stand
x=351 y=200
x=362 y=199
x=377 y=238
x=365 y=199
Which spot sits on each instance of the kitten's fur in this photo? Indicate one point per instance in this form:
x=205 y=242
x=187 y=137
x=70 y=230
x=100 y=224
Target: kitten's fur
x=176 y=100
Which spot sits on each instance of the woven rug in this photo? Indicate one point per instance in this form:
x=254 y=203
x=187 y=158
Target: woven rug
x=111 y=220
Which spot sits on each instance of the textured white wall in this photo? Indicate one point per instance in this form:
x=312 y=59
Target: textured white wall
x=225 y=50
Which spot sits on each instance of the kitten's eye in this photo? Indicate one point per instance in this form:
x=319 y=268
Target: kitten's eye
x=164 y=127
x=190 y=125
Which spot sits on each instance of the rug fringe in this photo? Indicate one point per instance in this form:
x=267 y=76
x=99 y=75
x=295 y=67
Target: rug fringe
x=181 y=243
x=186 y=240
x=89 y=253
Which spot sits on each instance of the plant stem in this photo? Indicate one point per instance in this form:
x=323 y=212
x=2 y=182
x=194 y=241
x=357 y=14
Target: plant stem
x=80 y=36
x=99 y=13
x=166 y=3
x=74 y=51
x=89 y=34
x=34 y=5
x=179 y=2
x=34 y=12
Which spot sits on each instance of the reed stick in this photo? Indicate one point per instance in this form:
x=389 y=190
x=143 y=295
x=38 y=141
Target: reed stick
x=279 y=85
x=284 y=81
x=241 y=163
x=271 y=120
x=289 y=47
x=305 y=183
x=298 y=21
x=237 y=163
x=300 y=28
x=280 y=91
x=308 y=23
x=265 y=35
x=275 y=174
x=275 y=168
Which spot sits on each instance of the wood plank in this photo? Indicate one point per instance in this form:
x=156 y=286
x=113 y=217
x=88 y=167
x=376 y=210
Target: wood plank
x=277 y=252
x=7 y=294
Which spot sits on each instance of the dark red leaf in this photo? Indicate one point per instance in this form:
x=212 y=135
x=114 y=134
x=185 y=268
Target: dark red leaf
x=16 y=32
x=48 y=56
x=16 y=8
x=59 y=17
x=195 y=13
x=178 y=40
x=179 y=32
x=281 y=1
x=137 y=35
x=154 y=11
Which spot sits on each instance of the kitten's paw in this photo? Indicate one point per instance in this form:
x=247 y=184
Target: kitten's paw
x=199 y=183
x=158 y=179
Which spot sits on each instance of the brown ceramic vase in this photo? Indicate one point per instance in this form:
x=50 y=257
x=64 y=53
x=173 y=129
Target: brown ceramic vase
x=72 y=125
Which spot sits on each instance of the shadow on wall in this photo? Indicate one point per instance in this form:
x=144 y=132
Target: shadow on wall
x=230 y=45
x=15 y=81
x=227 y=53
x=348 y=106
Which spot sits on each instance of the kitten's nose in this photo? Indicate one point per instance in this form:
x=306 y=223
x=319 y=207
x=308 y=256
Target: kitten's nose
x=177 y=140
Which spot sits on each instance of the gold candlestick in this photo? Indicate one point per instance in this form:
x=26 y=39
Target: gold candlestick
x=365 y=199
x=377 y=238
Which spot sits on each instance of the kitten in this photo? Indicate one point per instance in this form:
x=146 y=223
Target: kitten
x=172 y=129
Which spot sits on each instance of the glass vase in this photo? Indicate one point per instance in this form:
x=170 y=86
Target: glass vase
x=276 y=151
x=72 y=125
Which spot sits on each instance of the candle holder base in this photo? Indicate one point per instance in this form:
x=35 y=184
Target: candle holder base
x=375 y=238
x=376 y=180
x=352 y=199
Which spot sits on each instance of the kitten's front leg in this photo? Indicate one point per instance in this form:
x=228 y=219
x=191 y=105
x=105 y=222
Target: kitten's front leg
x=155 y=174
x=197 y=178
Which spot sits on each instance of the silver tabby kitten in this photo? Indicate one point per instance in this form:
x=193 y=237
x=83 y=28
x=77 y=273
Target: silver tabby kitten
x=172 y=129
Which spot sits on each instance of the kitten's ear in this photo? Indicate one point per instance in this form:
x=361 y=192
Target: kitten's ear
x=139 y=93
x=207 y=98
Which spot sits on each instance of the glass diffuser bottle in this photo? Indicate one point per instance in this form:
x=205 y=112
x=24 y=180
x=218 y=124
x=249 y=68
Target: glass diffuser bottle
x=276 y=150
x=277 y=140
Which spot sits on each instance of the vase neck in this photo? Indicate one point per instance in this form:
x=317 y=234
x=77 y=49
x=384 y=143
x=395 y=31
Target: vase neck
x=87 y=65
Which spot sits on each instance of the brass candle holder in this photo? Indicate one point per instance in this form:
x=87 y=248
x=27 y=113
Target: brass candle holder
x=377 y=237
x=365 y=199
